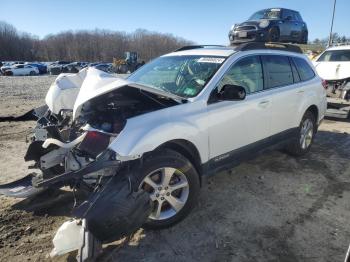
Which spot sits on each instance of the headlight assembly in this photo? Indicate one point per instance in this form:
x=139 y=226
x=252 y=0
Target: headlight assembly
x=264 y=23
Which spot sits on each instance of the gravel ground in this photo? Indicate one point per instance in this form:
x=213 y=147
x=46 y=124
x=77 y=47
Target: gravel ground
x=273 y=208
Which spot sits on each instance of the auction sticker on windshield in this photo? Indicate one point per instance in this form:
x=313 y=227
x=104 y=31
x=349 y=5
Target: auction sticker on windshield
x=215 y=60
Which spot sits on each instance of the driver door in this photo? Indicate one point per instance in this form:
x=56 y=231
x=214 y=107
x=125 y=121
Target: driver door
x=235 y=127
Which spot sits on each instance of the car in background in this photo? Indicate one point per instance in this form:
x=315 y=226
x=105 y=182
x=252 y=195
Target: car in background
x=106 y=67
x=74 y=67
x=8 y=65
x=333 y=65
x=41 y=67
x=271 y=25
x=21 y=70
x=56 y=67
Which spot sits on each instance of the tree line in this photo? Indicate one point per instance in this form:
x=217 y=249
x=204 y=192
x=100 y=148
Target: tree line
x=84 y=45
x=336 y=39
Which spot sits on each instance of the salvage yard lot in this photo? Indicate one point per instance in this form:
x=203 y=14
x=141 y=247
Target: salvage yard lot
x=272 y=208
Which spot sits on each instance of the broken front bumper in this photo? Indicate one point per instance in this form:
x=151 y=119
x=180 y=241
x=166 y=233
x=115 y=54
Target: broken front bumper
x=33 y=184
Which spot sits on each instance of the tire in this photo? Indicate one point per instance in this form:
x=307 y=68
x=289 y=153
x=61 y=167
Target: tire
x=180 y=171
x=32 y=73
x=305 y=136
x=274 y=35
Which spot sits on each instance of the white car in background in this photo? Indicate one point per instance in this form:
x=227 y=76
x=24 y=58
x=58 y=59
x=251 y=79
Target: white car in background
x=21 y=70
x=333 y=65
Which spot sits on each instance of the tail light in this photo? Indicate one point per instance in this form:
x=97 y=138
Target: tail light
x=94 y=143
x=324 y=84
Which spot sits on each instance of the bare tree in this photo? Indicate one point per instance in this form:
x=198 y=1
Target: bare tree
x=83 y=45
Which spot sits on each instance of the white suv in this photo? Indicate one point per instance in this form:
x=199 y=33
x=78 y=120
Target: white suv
x=182 y=116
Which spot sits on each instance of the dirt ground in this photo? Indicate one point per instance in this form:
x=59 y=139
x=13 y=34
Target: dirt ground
x=273 y=208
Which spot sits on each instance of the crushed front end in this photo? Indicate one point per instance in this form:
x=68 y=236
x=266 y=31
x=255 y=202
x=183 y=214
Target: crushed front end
x=338 y=97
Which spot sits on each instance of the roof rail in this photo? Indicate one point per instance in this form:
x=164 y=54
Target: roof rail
x=268 y=45
x=189 y=47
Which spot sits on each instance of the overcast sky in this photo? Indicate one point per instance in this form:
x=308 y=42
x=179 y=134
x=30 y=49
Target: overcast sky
x=205 y=22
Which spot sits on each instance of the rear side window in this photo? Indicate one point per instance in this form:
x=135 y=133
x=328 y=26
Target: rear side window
x=295 y=72
x=304 y=69
x=288 y=13
x=278 y=71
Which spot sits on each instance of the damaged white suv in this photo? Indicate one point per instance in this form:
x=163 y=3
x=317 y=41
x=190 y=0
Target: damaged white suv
x=182 y=116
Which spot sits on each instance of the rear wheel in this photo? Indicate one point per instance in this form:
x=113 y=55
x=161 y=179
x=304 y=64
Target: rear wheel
x=305 y=136
x=173 y=186
x=274 y=35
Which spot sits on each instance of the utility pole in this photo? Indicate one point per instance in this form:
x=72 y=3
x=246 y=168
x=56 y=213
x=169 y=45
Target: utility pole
x=331 y=33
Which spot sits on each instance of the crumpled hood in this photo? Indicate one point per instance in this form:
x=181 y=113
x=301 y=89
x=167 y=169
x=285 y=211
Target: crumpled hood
x=64 y=91
x=333 y=70
x=97 y=83
x=71 y=91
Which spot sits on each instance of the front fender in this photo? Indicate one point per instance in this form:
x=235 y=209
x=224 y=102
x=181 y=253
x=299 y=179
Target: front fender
x=137 y=138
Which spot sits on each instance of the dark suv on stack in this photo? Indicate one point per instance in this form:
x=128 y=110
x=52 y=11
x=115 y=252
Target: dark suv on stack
x=271 y=25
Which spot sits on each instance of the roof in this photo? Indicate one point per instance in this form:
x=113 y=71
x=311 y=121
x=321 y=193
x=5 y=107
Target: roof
x=210 y=51
x=225 y=51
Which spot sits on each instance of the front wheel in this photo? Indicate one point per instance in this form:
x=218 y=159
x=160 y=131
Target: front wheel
x=305 y=136
x=274 y=35
x=173 y=186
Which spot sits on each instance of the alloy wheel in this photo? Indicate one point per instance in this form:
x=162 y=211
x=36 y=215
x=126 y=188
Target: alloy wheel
x=306 y=133
x=169 y=189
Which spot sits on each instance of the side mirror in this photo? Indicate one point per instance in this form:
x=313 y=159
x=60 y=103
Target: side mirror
x=232 y=93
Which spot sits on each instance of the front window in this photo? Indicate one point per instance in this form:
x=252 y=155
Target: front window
x=185 y=76
x=246 y=73
x=335 y=56
x=266 y=14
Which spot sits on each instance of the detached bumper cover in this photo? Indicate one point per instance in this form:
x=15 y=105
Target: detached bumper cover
x=21 y=188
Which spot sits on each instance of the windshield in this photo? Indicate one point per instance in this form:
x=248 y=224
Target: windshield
x=266 y=14
x=335 y=56
x=184 y=76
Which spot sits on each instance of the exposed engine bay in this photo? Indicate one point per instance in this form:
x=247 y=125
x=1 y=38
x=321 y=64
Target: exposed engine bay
x=338 y=98
x=339 y=88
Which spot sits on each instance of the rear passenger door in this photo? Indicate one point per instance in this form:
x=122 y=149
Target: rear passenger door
x=284 y=92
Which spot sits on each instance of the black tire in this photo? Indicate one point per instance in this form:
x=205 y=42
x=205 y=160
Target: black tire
x=167 y=158
x=274 y=35
x=295 y=148
x=32 y=73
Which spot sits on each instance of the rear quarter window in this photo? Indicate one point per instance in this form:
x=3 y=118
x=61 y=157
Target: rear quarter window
x=304 y=69
x=278 y=71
